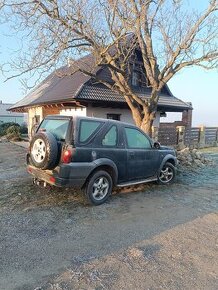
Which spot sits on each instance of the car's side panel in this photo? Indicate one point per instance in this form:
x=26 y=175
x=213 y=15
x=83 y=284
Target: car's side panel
x=95 y=151
x=118 y=156
x=142 y=163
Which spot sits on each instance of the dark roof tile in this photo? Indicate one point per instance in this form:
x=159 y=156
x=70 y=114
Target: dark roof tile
x=95 y=93
x=68 y=83
x=63 y=84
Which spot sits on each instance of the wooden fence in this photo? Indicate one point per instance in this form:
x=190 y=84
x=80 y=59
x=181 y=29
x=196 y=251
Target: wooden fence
x=192 y=137
x=211 y=135
x=167 y=136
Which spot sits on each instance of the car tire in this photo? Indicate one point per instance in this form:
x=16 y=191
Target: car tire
x=167 y=173
x=44 y=151
x=99 y=187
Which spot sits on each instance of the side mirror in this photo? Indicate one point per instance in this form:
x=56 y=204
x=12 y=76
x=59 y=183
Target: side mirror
x=156 y=145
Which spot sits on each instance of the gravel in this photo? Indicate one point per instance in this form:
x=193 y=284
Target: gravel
x=158 y=237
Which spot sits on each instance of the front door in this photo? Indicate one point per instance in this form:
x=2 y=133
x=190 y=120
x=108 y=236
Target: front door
x=142 y=158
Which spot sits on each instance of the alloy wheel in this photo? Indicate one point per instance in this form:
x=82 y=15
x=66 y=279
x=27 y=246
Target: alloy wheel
x=100 y=188
x=166 y=174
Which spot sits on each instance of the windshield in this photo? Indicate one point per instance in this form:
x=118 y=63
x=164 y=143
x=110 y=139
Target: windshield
x=58 y=127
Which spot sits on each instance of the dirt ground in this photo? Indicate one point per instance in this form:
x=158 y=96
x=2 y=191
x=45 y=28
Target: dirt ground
x=159 y=237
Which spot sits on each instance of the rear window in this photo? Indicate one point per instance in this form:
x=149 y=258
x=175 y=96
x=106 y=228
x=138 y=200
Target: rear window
x=58 y=127
x=87 y=128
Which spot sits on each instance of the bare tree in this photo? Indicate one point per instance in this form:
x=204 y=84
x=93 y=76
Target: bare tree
x=169 y=34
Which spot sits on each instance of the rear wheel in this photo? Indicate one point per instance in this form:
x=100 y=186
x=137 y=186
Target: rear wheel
x=167 y=173
x=99 y=187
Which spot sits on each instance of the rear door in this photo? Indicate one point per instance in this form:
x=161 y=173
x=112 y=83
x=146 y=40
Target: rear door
x=142 y=158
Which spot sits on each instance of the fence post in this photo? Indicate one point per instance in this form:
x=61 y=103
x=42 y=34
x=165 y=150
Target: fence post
x=202 y=137
x=180 y=136
x=155 y=133
x=217 y=136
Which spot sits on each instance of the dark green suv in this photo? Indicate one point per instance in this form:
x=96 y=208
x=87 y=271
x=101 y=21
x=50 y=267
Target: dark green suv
x=96 y=155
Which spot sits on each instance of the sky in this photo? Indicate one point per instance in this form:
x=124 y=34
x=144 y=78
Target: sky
x=192 y=85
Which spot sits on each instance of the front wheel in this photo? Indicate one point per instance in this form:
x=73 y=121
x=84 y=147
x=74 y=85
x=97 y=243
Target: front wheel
x=167 y=173
x=99 y=187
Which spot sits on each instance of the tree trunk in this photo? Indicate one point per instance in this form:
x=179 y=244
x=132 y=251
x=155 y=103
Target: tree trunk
x=144 y=117
x=143 y=112
x=147 y=122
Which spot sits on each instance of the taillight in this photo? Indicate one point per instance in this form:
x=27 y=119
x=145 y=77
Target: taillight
x=52 y=179
x=66 y=156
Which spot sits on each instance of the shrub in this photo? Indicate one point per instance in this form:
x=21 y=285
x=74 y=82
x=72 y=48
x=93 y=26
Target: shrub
x=13 y=133
x=5 y=126
x=23 y=129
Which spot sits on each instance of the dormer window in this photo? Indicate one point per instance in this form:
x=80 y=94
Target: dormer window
x=135 y=78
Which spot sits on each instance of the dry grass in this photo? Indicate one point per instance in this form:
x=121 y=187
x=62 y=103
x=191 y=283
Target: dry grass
x=209 y=150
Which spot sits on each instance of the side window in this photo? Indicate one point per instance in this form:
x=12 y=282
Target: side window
x=87 y=128
x=135 y=139
x=110 y=139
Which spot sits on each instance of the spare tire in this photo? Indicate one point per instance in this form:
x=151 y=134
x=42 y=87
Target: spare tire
x=44 y=150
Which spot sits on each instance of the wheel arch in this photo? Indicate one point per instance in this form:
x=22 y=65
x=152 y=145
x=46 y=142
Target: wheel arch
x=168 y=158
x=172 y=161
x=106 y=165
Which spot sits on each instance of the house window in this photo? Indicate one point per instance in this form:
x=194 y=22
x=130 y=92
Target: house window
x=114 y=116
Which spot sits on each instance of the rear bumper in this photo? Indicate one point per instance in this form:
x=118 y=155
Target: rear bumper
x=53 y=178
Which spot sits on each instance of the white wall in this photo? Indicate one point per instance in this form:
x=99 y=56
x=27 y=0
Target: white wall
x=32 y=112
x=99 y=112
x=126 y=115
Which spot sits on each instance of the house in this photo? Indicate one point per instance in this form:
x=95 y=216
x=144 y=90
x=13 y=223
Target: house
x=10 y=116
x=70 y=92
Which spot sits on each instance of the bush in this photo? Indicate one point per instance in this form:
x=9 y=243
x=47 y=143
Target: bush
x=5 y=126
x=23 y=129
x=13 y=133
x=12 y=130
